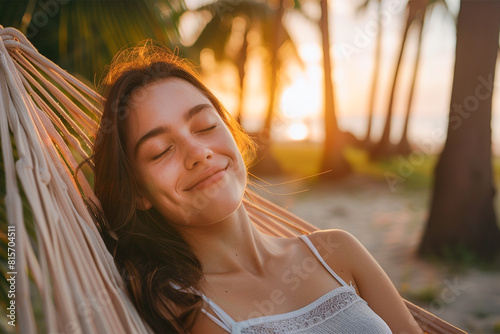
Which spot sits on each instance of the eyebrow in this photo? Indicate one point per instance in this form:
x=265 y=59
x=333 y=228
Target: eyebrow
x=159 y=130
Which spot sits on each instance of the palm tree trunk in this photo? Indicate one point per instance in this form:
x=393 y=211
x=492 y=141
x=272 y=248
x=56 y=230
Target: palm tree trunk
x=240 y=63
x=268 y=164
x=28 y=14
x=404 y=145
x=382 y=148
x=376 y=71
x=462 y=216
x=333 y=159
x=278 y=31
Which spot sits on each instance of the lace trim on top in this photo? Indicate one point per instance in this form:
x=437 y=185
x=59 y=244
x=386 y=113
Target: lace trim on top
x=312 y=314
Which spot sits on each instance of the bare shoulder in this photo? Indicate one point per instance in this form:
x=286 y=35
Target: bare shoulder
x=339 y=247
x=331 y=233
x=334 y=242
x=338 y=250
x=343 y=252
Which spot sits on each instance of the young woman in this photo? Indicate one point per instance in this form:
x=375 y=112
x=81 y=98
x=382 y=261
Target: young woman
x=170 y=175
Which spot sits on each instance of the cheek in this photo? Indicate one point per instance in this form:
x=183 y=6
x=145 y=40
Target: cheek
x=241 y=172
x=157 y=184
x=241 y=167
x=233 y=147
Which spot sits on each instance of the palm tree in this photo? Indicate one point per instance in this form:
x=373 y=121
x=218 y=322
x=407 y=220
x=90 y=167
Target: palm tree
x=403 y=147
x=383 y=147
x=217 y=34
x=83 y=36
x=376 y=67
x=277 y=32
x=416 y=13
x=462 y=216
x=332 y=159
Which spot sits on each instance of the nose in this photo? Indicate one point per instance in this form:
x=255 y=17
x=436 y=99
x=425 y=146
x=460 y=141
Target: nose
x=196 y=153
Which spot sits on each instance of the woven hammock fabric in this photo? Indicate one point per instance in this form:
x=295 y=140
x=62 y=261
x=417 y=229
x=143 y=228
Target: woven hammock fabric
x=74 y=273
x=80 y=287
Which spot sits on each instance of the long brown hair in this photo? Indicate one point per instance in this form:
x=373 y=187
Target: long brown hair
x=150 y=253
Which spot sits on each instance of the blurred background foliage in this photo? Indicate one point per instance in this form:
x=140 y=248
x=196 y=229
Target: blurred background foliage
x=83 y=36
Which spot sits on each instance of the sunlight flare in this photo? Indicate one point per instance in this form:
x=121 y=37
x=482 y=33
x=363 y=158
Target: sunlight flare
x=297 y=131
x=301 y=99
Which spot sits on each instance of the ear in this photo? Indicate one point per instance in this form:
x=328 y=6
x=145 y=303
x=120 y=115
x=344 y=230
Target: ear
x=143 y=203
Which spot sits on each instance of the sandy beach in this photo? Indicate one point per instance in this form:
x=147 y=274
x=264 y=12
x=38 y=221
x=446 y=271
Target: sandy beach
x=390 y=224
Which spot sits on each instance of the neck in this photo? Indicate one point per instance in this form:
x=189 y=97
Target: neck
x=231 y=245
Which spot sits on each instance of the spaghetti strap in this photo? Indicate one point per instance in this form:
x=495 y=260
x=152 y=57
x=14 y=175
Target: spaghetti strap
x=216 y=320
x=315 y=252
x=224 y=320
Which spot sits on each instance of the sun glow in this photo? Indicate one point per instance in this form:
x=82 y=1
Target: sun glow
x=302 y=98
x=297 y=131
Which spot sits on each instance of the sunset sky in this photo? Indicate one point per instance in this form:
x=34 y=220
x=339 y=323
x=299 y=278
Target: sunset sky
x=353 y=42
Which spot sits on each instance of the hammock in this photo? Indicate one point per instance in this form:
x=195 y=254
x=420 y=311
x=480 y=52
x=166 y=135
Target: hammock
x=47 y=123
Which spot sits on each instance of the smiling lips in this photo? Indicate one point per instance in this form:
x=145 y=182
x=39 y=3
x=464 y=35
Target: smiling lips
x=207 y=178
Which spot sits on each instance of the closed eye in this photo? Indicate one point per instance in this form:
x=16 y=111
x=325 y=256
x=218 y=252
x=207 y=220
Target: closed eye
x=207 y=129
x=162 y=153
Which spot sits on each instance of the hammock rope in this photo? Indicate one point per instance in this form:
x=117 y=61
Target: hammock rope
x=74 y=273
x=50 y=118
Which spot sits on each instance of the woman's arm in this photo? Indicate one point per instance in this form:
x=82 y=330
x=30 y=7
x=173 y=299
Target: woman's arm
x=371 y=281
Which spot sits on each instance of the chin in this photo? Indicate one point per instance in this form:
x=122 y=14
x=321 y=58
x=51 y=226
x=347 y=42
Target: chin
x=214 y=204
x=224 y=204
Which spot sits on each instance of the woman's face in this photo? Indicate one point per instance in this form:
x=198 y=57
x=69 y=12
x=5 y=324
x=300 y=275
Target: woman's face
x=184 y=157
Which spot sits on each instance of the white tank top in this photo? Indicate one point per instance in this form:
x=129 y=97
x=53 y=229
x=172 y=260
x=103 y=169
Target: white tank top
x=338 y=311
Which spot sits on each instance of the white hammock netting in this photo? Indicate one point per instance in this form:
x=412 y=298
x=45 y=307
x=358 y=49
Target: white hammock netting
x=72 y=272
